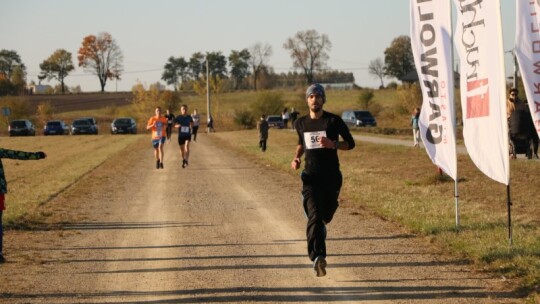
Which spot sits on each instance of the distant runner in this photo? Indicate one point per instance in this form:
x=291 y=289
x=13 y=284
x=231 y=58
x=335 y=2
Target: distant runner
x=196 y=122
x=318 y=137
x=158 y=125
x=170 y=122
x=184 y=123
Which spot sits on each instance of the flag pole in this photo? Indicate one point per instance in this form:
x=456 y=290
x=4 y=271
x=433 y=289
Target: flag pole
x=456 y=194
x=509 y=204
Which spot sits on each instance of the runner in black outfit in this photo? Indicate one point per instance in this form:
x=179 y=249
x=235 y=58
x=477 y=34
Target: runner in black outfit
x=170 y=121
x=318 y=138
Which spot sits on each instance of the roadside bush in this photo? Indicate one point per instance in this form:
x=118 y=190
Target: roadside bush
x=244 y=119
x=392 y=85
x=365 y=99
x=409 y=97
x=44 y=113
x=268 y=103
x=146 y=100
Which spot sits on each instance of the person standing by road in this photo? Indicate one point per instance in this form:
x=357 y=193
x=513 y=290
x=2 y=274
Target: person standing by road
x=158 y=125
x=12 y=154
x=285 y=116
x=196 y=122
x=416 y=129
x=262 y=126
x=294 y=116
x=210 y=125
x=170 y=121
x=318 y=138
x=184 y=123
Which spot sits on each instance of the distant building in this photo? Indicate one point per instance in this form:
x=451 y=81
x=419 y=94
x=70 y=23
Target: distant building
x=39 y=88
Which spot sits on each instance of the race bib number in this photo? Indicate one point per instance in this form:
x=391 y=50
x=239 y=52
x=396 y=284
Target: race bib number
x=159 y=128
x=184 y=130
x=313 y=139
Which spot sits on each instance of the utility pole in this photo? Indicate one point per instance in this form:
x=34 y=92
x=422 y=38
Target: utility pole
x=208 y=93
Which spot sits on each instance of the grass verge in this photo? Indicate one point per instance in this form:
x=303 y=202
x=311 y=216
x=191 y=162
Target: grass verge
x=401 y=184
x=31 y=184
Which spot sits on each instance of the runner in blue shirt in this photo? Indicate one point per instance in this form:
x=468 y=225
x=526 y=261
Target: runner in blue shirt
x=184 y=123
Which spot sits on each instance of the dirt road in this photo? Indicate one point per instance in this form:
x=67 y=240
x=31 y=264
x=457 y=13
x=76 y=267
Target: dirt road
x=223 y=230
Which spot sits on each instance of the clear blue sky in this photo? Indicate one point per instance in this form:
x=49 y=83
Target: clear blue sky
x=149 y=32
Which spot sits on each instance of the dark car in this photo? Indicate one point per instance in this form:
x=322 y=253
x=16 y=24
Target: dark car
x=124 y=125
x=275 y=121
x=83 y=126
x=359 y=118
x=56 y=127
x=21 y=127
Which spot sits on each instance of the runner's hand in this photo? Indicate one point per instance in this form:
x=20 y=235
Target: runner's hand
x=295 y=164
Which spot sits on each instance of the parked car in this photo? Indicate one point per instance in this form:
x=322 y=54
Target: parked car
x=359 y=118
x=275 y=121
x=21 y=127
x=93 y=121
x=56 y=127
x=83 y=126
x=124 y=125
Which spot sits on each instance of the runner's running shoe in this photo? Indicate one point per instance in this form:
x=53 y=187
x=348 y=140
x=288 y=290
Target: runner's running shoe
x=319 y=265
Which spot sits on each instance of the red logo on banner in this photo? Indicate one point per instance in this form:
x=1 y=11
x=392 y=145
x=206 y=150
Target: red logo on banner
x=478 y=105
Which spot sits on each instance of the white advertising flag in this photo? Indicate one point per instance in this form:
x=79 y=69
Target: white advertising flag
x=478 y=40
x=528 y=53
x=432 y=49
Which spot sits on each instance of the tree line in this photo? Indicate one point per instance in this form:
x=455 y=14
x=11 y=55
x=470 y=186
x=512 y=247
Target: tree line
x=247 y=68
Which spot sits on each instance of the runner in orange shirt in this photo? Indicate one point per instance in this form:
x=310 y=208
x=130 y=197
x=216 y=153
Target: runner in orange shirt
x=158 y=124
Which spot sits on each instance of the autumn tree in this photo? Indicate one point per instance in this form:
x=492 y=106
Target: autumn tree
x=217 y=65
x=9 y=60
x=101 y=56
x=12 y=73
x=398 y=57
x=238 y=61
x=376 y=69
x=57 y=66
x=309 y=51
x=175 y=71
x=259 y=55
x=197 y=65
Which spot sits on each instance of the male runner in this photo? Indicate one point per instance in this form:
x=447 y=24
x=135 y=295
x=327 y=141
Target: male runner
x=170 y=121
x=184 y=123
x=158 y=125
x=318 y=137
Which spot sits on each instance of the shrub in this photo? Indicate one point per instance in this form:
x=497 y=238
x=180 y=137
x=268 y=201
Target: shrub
x=44 y=113
x=392 y=85
x=268 y=103
x=409 y=97
x=365 y=99
x=244 y=118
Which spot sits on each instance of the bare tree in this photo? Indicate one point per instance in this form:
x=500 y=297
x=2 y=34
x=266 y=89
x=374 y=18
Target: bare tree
x=101 y=56
x=258 y=59
x=309 y=51
x=376 y=69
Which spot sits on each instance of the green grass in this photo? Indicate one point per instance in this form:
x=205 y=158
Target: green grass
x=33 y=183
x=402 y=185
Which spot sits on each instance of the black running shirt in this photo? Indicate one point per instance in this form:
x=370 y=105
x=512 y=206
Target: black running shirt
x=318 y=160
